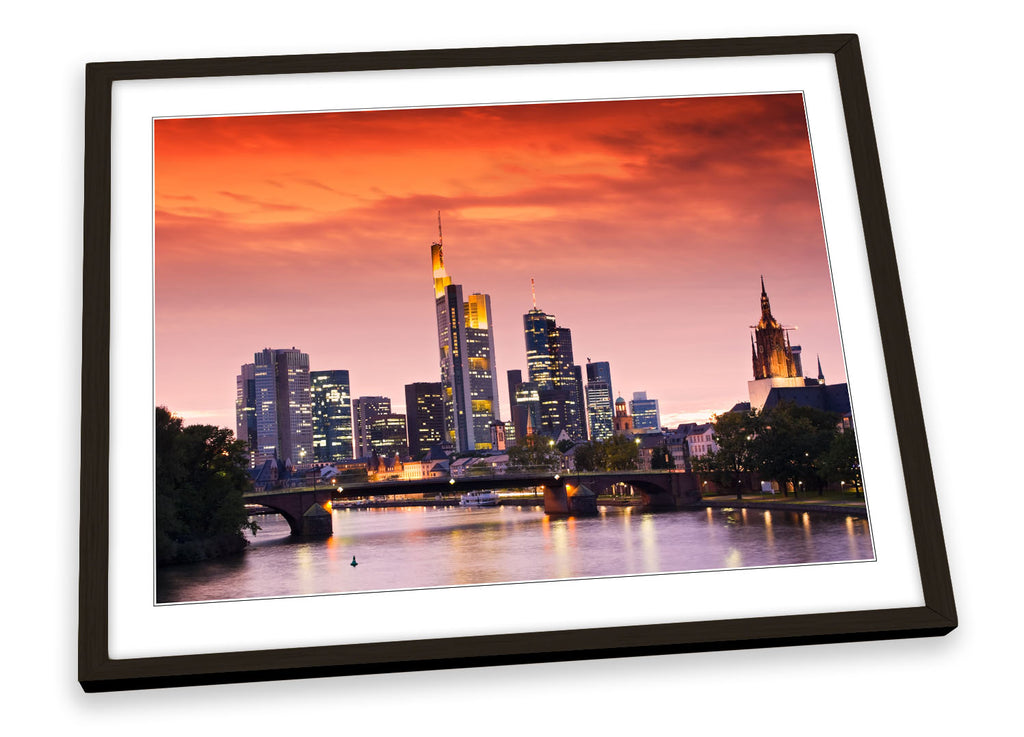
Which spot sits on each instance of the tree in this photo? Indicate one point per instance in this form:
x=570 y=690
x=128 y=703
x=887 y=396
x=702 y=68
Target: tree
x=589 y=456
x=200 y=477
x=617 y=453
x=840 y=462
x=790 y=442
x=534 y=453
x=733 y=433
x=621 y=453
x=661 y=458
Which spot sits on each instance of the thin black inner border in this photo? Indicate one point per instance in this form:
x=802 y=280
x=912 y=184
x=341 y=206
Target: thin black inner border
x=98 y=672
x=400 y=108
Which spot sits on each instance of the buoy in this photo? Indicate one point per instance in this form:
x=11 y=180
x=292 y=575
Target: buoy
x=353 y=563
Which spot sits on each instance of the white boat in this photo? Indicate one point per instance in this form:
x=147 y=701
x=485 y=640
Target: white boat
x=479 y=499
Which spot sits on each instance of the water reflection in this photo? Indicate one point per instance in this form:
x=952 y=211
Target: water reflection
x=444 y=546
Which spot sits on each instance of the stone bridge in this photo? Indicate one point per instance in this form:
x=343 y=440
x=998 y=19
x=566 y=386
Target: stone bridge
x=306 y=510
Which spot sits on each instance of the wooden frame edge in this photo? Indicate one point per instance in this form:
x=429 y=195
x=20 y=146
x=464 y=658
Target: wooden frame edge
x=97 y=672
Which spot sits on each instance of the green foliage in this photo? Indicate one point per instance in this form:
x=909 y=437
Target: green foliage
x=621 y=453
x=617 y=453
x=840 y=462
x=787 y=444
x=589 y=456
x=733 y=433
x=534 y=453
x=662 y=459
x=200 y=478
x=790 y=443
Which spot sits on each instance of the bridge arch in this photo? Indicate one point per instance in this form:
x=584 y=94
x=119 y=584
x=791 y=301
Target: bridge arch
x=303 y=510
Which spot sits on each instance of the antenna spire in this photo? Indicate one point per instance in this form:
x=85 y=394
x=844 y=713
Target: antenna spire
x=440 y=240
x=533 y=291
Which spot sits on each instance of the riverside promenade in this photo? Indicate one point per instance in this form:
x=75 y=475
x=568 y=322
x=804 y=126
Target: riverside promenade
x=810 y=502
x=848 y=504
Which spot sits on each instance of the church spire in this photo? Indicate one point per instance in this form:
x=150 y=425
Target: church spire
x=772 y=352
x=766 y=308
x=821 y=374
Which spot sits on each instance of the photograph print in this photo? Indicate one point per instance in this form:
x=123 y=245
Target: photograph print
x=460 y=346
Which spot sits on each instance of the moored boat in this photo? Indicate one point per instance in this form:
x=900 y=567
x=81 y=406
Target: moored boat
x=479 y=499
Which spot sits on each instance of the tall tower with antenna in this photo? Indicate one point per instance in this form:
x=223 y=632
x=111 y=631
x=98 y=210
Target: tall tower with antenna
x=550 y=365
x=465 y=337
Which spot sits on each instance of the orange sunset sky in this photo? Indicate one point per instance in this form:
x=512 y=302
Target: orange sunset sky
x=646 y=225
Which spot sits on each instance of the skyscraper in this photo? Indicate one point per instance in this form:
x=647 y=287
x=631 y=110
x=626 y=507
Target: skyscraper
x=515 y=378
x=646 y=415
x=378 y=429
x=245 y=409
x=483 y=379
x=600 y=409
x=581 y=403
x=526 y=410
x=524 y=400
x=281 y=404
x=468 y=373
x=424 y=411
x=549 y=363
x=332 y=415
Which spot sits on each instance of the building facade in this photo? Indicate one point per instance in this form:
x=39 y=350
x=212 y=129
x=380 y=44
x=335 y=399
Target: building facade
x=332 y=415
x=467 y=363
x=622 y=423
x=549 y=363
x=281 y=405
x=646 y=415
x=245 y=410
x=600 y=408
x=424 y=411
x=378 y=430
x=772 y=356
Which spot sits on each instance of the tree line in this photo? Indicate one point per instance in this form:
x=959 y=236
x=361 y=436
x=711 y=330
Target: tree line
x=802 y=447
x=539 y=452
x=200 y=478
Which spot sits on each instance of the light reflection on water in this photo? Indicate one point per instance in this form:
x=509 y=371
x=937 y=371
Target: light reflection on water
x=415 y=547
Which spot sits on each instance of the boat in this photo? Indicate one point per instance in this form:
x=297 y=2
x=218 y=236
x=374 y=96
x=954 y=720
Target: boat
x=479 y=499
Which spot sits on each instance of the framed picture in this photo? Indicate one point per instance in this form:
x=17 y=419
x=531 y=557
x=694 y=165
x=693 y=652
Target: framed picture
x=490 y=356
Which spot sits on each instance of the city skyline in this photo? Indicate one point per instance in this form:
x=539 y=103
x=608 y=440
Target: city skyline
x=646 y=226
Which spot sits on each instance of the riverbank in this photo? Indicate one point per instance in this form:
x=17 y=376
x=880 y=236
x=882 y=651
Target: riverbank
x=789 y=504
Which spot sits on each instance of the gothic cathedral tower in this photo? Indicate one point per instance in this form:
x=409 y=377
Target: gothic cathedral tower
x=769 y=346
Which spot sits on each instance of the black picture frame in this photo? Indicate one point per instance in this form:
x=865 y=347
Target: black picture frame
x=99 y=672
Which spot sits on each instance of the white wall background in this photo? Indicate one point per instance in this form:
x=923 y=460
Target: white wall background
x=944 y=87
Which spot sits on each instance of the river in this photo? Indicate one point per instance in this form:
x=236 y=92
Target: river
x=417 y=547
